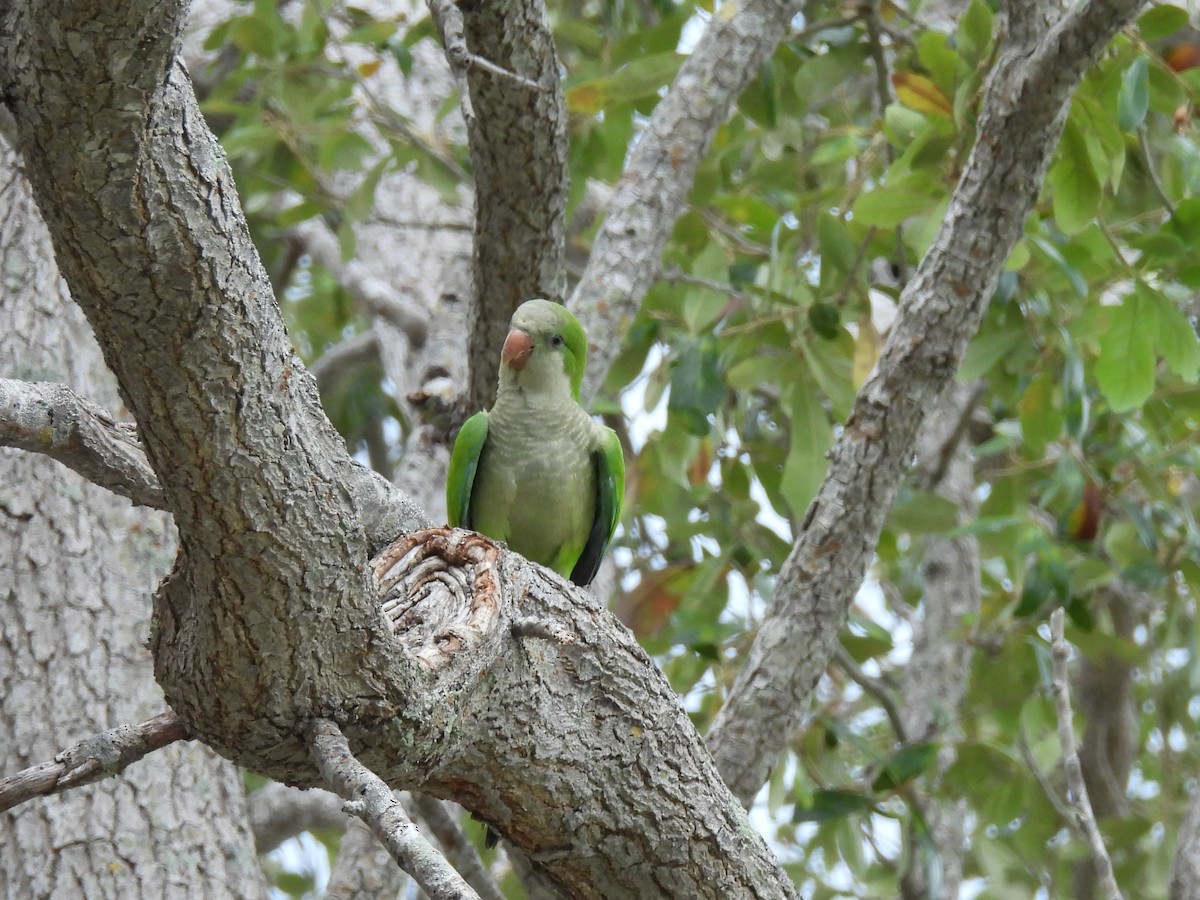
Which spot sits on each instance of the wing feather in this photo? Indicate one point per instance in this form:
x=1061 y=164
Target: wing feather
x=464 y=463
x=609 y=463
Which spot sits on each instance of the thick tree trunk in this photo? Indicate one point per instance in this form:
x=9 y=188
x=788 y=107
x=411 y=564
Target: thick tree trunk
x=77 y=565
x=518 y=696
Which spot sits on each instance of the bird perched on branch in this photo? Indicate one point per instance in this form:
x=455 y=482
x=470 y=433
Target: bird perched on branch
x=535 y=471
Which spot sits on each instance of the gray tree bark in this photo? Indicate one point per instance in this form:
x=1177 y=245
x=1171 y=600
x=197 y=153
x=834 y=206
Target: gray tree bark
x=936 y=677
x=271 y=618
x=1185 y=870
x=76 y=567
x=518 y=140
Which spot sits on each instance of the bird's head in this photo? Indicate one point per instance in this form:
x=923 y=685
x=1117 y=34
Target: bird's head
x=546 y=348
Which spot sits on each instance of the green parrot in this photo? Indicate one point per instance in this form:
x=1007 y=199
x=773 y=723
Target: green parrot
x=535 y=471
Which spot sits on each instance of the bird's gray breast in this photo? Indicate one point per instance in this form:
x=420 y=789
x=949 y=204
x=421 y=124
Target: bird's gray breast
x=536 y=483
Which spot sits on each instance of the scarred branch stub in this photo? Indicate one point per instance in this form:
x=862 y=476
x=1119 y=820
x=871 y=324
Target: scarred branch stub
x=439 y=591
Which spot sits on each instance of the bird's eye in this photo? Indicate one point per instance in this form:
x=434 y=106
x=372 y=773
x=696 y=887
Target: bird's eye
x=556 y=341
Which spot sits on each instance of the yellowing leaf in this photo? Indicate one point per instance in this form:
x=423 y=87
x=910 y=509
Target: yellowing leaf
x=919 y=93
x=586 y=98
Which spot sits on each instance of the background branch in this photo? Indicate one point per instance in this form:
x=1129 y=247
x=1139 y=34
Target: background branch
x=1025 y=104
x=369 y=798
x=652 y=194
x=48 y=418
x=92 y=759
x=1081 y=806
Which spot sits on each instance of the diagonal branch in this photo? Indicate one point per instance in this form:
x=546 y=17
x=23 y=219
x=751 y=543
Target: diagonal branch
x=369 y=798
x=654 y=187
x=1081 y=805
x=48 y=418
x=1025 y=105
x=92 y=759
x=455 y=844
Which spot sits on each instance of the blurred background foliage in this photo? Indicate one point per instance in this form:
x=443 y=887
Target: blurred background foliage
x=778 y=286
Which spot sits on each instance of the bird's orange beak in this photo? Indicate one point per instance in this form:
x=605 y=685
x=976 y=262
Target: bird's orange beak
x=517 y=347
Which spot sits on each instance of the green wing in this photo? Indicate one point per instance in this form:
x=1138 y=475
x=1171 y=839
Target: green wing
x=464 y=462
x=610 y=491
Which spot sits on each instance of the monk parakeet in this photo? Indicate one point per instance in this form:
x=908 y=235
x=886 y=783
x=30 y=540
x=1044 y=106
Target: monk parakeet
x=535 y=471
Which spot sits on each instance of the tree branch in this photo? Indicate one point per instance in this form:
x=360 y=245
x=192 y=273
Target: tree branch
x=1185 y=869
x=518 y=142
x=279 y=812
x=654 y=187
x=454 y=843
x=48 y=418
x=364 y=868
x=1025 y=104
x=1081 y=806
x=369 y=798
x=93 y=759
x=275 y=518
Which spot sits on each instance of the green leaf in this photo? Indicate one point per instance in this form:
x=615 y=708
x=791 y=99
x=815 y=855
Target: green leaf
x=696 y=386
x=986 y=350
x=888 y=207
x=638 y=80
x=828 y=805
x=810 y=438
x=1134 y=98
x=825 y=320
x=1125 y=369
x=975 y=32
x=1076 y=188
x=923 y=513
x=1041 y=422
x=838 y=249
x=1161 y=21
x=376 y=34
x=344 y=150
x=905 y=764
x=1177 y=341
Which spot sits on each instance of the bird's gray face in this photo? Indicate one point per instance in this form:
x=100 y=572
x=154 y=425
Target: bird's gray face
x=535 y=362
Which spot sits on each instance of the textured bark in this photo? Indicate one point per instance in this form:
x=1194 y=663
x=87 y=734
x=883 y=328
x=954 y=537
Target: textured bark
x=363 y=869
x=518 y=141
x=1185 y=870
x=76 y=566
x=654 y=186
x=1024 y=107
x=52 y=419
x=618 y=797
x=1104 y=696
x=271 y=618
x=935 y=679
x=149 y=234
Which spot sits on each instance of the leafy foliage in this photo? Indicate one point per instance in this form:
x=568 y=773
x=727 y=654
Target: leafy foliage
x=817 y=199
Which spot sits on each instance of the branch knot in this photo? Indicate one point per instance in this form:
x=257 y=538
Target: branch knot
x=439 y=593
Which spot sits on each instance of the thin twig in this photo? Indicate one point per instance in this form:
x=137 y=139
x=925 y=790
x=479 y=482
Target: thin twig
x=1151 y=171
x=449 y=20
x=93 y=759
x=1081 y=805
x=369 y=798
x=875 y=688
x=675 y=275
